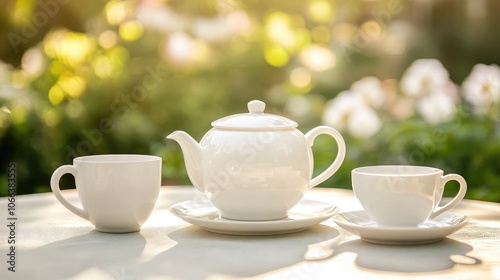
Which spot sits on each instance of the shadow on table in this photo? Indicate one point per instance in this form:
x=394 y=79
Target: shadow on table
x=69 y=257
x=420 y=258
x=199 y=253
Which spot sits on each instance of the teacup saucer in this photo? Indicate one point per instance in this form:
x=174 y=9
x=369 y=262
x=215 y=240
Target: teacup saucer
x=304 y=215
x=433 y=230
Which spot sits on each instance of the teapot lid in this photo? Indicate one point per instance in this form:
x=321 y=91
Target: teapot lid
x=256 y=119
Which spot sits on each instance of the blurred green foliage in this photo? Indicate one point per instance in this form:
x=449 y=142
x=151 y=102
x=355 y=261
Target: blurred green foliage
x=118 y=76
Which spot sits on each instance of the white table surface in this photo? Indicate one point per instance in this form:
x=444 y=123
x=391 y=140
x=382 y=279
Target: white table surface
x=53 y=243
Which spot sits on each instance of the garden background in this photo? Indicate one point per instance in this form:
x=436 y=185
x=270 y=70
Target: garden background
x=406 y=82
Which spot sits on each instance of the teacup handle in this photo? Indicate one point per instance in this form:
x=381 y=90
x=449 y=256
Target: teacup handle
x=310 y=136
x=460 y=195
x=54 y=185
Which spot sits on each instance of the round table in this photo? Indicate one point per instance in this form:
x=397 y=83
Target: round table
x=53 y=243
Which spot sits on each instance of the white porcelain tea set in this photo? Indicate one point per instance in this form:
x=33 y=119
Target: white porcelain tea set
x=254 y=169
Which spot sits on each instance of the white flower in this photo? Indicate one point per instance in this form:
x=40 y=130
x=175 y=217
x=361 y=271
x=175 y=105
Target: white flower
x=337 y=110
x=370 y=89
x=482 y=87
x=364 y=122
x=434 y=94
x=436 y=107
x=348 y=111
x=424 y=76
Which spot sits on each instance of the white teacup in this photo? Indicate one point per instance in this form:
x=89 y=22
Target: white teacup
x=403 y=195
x=117 y=192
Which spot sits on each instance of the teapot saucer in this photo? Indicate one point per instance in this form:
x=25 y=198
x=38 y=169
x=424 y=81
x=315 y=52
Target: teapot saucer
x=304 y=215
x=430 y=231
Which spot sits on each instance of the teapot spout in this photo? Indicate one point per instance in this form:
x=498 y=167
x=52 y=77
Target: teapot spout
x=192 y=157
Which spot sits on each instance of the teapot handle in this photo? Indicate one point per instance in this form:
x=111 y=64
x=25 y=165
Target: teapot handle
x=310 y=136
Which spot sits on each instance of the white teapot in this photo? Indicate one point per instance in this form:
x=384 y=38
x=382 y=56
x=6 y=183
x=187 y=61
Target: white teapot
x=255 y=166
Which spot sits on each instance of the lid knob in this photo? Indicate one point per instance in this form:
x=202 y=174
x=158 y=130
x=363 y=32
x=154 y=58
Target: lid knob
x=256 y=107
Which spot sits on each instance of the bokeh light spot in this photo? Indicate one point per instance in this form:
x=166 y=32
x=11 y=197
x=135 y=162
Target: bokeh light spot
x=321 y=34
x=4 y=117
x=73 y=86
x=71 y=48
x=318 y=58
x=107 y=39
x=74 y=108
x=56 y=95
x=33 y=62
x=23 y=10
x=372 y=29
x=300 y=77
x=276 y=57
x=20 y=79
x=131 y=30
x=320 y=10
x=51 y=118
x=116 y=12
x=279 y=29
x=103 y=66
